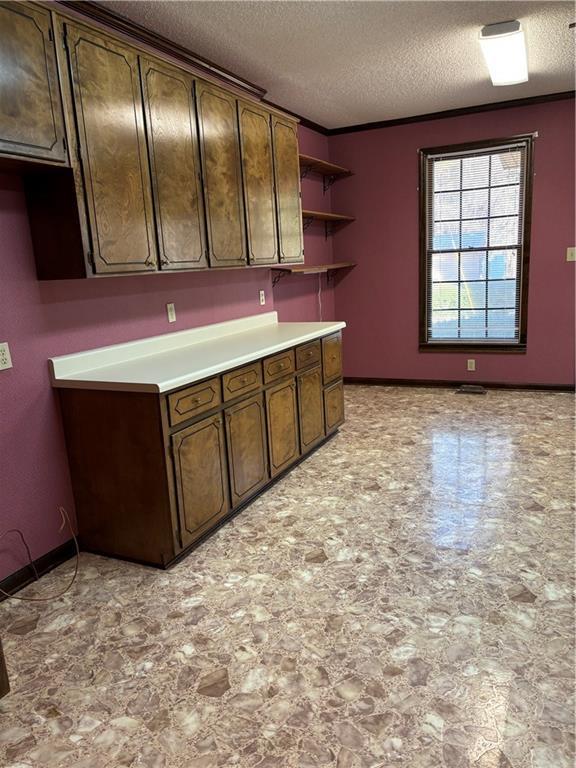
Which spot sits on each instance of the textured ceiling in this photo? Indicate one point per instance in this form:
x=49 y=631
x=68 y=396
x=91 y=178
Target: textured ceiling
x=344 y=63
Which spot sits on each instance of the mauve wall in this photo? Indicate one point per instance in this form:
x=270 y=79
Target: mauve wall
x=296 y=296
x=40 y=320
x=379 y=298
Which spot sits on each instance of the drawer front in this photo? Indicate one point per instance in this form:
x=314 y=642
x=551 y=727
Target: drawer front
x=189 y=402
x=307 y=354
x=241 y=381
x=278 y=366
x=332 y=357
x=334 y=406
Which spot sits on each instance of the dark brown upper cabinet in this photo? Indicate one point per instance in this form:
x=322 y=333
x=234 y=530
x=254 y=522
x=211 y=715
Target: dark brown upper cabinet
x=287 y=171
x=31 y=118
x=175 y=162
x=112 y=143
x=220 y=150
x=258 y=175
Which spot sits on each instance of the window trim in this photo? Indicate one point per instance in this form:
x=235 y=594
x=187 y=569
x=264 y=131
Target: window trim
x=477 y=346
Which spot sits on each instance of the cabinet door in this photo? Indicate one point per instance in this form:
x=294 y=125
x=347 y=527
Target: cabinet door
x=282 y=420
x=287 y=171
x=310 y=408
x=108 y=104
x=332 y=357
x=246 y=439
x=201 y=476
x=31 y=121
x=258 y=175
x=175 y=163
x=220 y=148
x=334 y=406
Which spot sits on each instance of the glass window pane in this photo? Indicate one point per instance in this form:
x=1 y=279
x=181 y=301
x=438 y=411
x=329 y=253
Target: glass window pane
x=475 y=172
x=446 y=206
x=473 y=265
x=501 y=324
x=502 y=264
x=505 y=168
x=446 y=175
x=446 y=236
x=444 y=296
x=504 y=201
x=444 y=325
x=502 y=293
x=473 y=324
x=475 y=204
x=474 y=234
x=503 y=231
x=444 y=267
x=473 y=295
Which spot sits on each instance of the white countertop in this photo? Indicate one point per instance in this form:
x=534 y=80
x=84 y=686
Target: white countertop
x=163 y=363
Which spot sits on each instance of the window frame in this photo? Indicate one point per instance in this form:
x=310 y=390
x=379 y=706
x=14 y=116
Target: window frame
x=468 y=345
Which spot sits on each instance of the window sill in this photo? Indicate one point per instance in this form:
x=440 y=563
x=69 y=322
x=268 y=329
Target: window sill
x=514 y=349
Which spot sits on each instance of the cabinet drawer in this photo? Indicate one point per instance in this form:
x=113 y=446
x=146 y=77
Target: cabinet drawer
x=189 y=402
x=241 y=381
x=332 y=357
x=307 y=354
x=278 y=366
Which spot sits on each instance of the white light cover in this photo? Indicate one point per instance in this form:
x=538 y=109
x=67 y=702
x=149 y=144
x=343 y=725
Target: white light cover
x=504 y=50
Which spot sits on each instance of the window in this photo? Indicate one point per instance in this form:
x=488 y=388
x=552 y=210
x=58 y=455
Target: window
x=474 y=239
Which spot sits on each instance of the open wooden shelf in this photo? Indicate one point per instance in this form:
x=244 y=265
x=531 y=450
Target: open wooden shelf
x=308 y=269
x=331 y=220
x=330 y=172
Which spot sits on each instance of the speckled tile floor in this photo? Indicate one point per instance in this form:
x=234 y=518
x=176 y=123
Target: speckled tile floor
x=402 y=598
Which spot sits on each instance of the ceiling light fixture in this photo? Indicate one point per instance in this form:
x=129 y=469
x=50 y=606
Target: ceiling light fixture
x=504 y=50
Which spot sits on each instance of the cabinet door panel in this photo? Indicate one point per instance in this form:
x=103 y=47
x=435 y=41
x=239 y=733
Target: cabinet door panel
x=175 y=163
x=282 y=420
x=258 y=175
x=287 y=171
x=246 y=439
x=332 y=357
x=310 y=408
x=201 y=476
x=334 y=406
x=113 y=149
x=220 y=147
x=31 y=120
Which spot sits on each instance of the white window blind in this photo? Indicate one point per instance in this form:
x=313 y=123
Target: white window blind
x=474 y=237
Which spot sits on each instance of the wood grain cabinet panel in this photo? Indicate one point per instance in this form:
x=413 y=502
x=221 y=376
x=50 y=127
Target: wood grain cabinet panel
x=334 y=406
x=278 y=366
x=201 y=476
x=246 y=442
x=193 y=401
x=310 y=408
x=258 y=175
x=308 y=354
x=287 y=173
x=242 y=381
x=220 y=149
x=282 y=420
x=332 y=357
x=114 y=156
x=31 y=117
x=175 y=163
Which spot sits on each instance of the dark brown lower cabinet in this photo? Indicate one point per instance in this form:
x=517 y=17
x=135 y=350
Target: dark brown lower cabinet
x=201 y=476
x=246 y=438
x=153 y=473
x=282 y=420
x=310 y=408
x=334 y=406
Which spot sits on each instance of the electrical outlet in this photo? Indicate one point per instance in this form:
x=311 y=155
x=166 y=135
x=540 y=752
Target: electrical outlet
x=262 y=298
x=5 y=359
x=471 y=365
x=171 y=312
x=571 y=254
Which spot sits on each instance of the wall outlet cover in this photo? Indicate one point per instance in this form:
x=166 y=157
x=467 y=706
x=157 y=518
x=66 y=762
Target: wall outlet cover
x=262 y=298
x=5 y=357
x=571 y=254
x=471 y=365
x=171 y=312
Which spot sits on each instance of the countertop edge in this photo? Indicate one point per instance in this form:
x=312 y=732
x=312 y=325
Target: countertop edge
x=77 y=382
